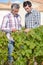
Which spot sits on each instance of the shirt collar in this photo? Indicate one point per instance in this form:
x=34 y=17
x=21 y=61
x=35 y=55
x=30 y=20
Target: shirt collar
x=15 y=15
x=31 y=11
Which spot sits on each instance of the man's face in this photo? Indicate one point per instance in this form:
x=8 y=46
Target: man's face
x=15 y=11
x=27 y=9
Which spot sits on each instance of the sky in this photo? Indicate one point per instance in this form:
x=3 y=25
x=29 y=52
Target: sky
x=11 y=0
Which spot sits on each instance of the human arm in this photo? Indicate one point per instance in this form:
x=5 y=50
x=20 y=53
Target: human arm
x=5 y=24
x=37 y=19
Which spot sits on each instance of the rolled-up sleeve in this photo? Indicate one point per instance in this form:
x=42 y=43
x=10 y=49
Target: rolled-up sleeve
x=37 y=19
x=4 y=26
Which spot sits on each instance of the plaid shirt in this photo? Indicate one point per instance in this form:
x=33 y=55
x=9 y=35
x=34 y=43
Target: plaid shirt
x=32 y=19
x=10 y=21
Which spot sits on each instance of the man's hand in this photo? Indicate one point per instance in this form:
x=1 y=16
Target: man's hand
x=14 y=30
x=26 y=30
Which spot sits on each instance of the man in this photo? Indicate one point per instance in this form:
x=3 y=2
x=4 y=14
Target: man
x=32 y=18
x=11 y=23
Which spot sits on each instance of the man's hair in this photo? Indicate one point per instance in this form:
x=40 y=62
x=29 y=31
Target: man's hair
x=27 y=3
x=15 y=5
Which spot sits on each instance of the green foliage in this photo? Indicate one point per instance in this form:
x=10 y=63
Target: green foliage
x=27 y=45
x=3 y=48
x=20 y=61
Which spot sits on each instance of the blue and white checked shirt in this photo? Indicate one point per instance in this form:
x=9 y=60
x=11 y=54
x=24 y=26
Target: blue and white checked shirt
x=32 y=19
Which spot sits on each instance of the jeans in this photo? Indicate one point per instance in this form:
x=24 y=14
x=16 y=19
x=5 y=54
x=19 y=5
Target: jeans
x=10 y=50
